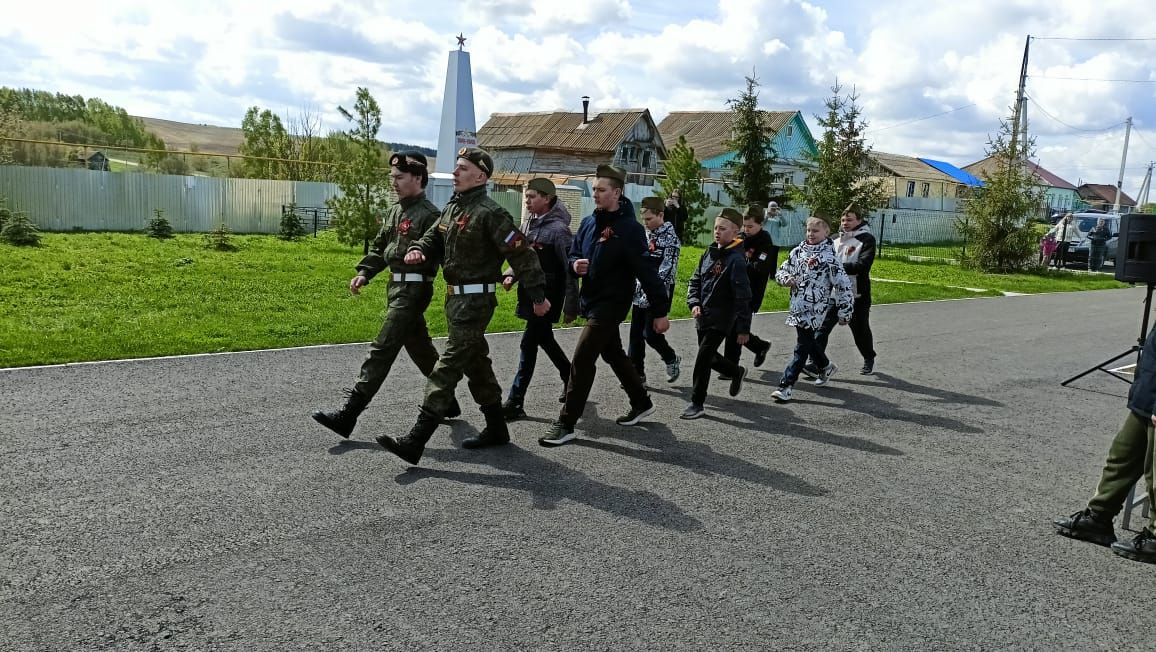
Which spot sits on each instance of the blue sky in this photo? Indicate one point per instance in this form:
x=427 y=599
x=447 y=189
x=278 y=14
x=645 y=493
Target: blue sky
x=208 y=61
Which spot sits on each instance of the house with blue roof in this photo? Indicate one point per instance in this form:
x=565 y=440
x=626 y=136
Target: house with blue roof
x=707 y=132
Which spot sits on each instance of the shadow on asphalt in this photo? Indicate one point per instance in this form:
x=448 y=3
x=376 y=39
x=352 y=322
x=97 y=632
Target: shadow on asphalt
x=942 y=395
x=348 y=445
x=549 y=483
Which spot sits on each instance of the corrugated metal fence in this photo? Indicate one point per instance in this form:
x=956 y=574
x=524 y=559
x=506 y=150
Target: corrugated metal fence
x=63 y=199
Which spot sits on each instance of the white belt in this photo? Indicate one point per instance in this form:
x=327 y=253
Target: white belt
x=472 y=288
x=412 y=278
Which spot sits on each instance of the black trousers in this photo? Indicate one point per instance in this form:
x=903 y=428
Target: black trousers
x=599 y=339
x=641 y=334
x=860 y=327
x=539 y=334
x=707 y=359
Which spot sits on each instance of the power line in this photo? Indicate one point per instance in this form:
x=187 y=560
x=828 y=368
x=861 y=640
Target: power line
x=926 y=117
x=1067 y=125
x=1105 y=38
x=1122 y=81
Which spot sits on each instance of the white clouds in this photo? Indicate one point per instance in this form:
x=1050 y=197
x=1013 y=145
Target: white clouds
x=208 y=60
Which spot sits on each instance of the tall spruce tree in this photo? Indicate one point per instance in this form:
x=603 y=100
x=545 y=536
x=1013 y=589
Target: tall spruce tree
x=683 y=172
x=364 y=181
x=750 y=176
x=840 y=172
x=997 y=221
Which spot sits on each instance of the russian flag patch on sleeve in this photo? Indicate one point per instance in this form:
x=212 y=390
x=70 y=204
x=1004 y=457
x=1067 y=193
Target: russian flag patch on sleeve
x=514 y=239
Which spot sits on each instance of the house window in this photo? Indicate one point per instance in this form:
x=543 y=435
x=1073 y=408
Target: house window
x=910 y=188
x=790 y=130
x=646 y=159
x=925 y=190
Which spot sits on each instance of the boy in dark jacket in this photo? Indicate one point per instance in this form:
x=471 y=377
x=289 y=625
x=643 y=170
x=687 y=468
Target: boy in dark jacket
x=719 y=297
x=608 y=254
x=761 y=254
x=547 y=229
x=1129 y=459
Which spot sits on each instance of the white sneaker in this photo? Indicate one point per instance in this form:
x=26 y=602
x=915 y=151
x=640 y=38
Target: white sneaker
x=782 y=394
x=826 y=375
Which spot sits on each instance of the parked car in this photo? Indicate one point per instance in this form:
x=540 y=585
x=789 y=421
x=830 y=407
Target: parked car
x=1084 y=223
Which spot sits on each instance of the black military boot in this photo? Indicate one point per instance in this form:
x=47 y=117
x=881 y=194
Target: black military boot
x=343 y=419
x=1086 y=525
x=495 y=433
x=412 y=445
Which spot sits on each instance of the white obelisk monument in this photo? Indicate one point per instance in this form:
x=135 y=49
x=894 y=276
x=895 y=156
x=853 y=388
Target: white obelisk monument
x=458 y=128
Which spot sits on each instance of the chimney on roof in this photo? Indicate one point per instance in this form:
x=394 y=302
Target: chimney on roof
x=585 y=109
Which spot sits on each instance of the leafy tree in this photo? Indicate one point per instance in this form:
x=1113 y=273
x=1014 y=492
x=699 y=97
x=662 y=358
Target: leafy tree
x=840 y=173
x=683 y=171
x=10 y=127
x=292 y=227
x=997 y=222
x=265 y=137
x=750 y=170
x=364 y=179
x=19 y=230
x=159 y=227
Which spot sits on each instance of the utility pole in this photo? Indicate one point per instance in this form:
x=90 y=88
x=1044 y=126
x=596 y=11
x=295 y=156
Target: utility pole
x=1123 y=161
x=1019 y=105
x=1145 y=187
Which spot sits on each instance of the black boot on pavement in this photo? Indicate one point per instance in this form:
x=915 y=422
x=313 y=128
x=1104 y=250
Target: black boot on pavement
x=412 y=445
x=512 y=409
x=495 y=433
x=1142 y=547
x=1086 y=525
x=343 y=419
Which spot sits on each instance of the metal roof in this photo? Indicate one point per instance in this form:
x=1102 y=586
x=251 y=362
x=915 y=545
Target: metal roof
x=909 y=167
x=988 y=165
x=966 y=178
x=708 y=131
x=562 y=130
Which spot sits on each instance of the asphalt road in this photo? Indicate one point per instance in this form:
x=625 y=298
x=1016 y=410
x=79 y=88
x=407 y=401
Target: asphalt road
x=192 y=504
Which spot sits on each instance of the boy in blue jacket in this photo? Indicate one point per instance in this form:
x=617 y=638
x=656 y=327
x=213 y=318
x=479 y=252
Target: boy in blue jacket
x=719 y=298
x=608 y=254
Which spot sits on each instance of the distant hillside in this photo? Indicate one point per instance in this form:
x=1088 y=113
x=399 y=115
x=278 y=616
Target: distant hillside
x=221 y=140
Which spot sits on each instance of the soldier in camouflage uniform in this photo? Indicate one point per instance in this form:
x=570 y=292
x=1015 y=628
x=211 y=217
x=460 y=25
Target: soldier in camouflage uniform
x=472 y=238
x=410 y=291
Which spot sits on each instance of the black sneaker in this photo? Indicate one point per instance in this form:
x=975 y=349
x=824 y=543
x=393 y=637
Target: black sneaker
x=1086 y=525
x=1142 y=547
x=636 y=414
x=761 y=356
x=868 y=367
x=737 y=381
x=558 y=434
x=812 y=371
x=512 y=411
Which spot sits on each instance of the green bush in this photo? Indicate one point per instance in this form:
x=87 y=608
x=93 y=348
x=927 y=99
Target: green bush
x=291 y=225
x=20 y=231
x=158 y=226
x=220 y=238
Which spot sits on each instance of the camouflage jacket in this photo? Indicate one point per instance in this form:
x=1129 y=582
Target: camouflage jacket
x=403 y=224
x=472 y=238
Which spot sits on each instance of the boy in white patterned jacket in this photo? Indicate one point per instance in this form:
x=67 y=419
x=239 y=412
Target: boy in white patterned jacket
x=817 y=281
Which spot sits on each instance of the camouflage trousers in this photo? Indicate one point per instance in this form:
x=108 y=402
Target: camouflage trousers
x=1130 y=458
x=466 y=354
x=404 y=326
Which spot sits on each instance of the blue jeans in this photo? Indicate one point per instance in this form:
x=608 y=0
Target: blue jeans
x=809 y=344
x=539 y=333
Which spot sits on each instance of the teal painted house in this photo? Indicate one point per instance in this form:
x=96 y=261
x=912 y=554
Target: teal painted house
x=708 y=131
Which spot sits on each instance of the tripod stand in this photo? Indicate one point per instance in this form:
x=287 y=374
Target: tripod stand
x=1136 y=348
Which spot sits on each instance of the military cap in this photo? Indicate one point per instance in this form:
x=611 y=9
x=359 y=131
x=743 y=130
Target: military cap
x=611 y=172
x=404 y=160
x=753 y=211
x=652 y=204
x=542 y=186
x=731 y=215
x=772 y=204
x=478 y=157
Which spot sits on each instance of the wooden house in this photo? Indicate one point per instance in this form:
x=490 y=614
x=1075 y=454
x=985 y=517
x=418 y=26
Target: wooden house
x=562 y=144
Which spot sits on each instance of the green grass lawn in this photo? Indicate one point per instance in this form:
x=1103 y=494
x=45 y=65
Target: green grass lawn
x=96 y=296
